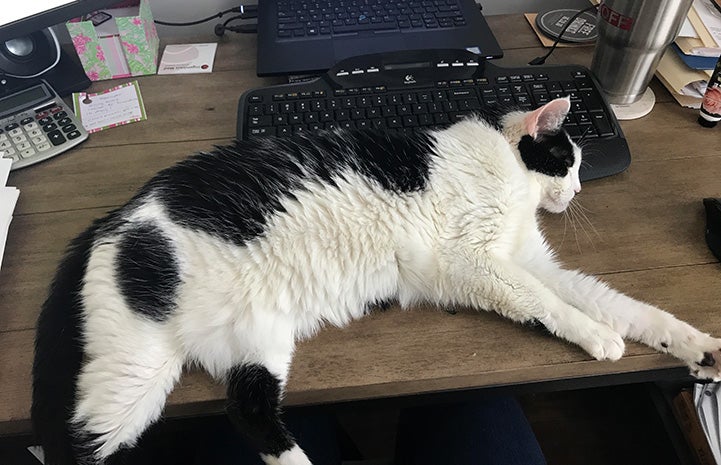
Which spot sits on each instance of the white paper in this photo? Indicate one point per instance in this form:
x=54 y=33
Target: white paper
x=710 y=17
x=687 y=30
x=187 y=59
x=5 y=165
x=8 y=199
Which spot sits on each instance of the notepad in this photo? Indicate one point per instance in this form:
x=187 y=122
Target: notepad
x=116 y=106
x=8 y=199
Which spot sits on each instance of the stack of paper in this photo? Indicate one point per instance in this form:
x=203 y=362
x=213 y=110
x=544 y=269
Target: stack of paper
x=8 y=198
x=688 y=63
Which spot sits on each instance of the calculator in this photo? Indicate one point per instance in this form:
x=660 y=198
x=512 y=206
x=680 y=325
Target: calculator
x=36 y=124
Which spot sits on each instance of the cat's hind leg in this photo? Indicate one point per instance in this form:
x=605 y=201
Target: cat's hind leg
x=253 y=406
x=121 y=392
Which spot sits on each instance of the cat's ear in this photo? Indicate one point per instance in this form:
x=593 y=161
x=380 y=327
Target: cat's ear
x=548 y=118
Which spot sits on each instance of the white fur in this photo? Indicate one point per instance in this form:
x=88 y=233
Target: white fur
x=470 y=238
x=294 y=456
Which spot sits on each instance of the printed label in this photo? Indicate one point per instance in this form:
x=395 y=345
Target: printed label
x=614 y=18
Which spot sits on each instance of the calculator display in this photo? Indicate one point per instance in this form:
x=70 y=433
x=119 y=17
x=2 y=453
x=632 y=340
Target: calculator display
x=23 y=98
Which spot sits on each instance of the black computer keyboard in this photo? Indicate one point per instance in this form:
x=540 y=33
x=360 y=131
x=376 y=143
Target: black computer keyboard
x=298 y=18
x=431 y=89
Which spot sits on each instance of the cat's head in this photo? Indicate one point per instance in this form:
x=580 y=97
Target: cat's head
x=550 y=156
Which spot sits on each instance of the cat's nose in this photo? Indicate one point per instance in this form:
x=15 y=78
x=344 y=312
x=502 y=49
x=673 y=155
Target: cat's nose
x=577 y=189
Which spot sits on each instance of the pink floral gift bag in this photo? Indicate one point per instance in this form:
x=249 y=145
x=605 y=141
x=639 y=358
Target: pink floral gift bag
x=126 y=45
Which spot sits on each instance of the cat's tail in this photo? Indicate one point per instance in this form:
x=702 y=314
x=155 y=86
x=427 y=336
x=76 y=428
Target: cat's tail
x=58 y=356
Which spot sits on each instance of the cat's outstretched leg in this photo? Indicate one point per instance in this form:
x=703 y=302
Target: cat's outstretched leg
x=253 y=407
x=635 y=320
x=494 y=283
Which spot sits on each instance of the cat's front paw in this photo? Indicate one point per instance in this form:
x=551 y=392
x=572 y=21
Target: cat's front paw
x=709 y=367
x=700 y=351
x=706 y=363
x=604 y=344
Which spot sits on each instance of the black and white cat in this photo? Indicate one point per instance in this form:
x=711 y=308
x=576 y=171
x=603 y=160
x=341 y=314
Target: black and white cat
x=228 y=258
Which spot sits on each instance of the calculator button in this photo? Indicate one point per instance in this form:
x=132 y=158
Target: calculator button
x=11 y=126
x=43 y=147
x=3 y=137
x=44 y=121
x=39 y=139
x=64 y=121
x=26 y=120
x=42 y=114
x=49 y=127
x=60 y=114
x=31 y=126
x=56 y=137
x=55 y=109
x=5 y=145
x=69 y=127
x=23 y=145
x=27 y=152
x=20 y=138
x=35 y=133
x=9 y=151
x=73 y=135
x=15 y=132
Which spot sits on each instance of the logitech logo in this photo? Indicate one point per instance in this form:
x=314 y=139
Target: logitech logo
x=409 y=79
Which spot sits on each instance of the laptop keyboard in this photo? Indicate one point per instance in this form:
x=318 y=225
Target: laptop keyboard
x=392 y=92
x=301 y=18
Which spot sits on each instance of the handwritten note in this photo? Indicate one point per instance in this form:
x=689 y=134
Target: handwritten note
x=119 y=105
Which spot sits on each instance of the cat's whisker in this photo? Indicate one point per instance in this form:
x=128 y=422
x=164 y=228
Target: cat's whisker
x=572 y=218
x=565 y=227
x=583 y=218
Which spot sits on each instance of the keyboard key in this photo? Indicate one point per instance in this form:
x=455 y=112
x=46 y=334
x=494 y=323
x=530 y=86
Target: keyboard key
x=603 y=126
x=267 y=131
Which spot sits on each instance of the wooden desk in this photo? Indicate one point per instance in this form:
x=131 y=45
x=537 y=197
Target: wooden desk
x=648 y=241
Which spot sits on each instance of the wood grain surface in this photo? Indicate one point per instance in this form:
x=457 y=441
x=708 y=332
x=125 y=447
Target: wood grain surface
x=645 y=237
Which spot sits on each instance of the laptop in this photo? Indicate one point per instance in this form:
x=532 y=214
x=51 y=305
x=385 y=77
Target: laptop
x=310 y=36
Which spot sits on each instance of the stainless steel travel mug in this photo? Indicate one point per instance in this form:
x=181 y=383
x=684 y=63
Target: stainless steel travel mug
x=632 y=37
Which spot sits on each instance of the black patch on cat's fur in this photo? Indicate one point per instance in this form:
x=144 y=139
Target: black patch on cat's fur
x=253 y=407
x=549 y=154
x=147 y=272
x=232 y=191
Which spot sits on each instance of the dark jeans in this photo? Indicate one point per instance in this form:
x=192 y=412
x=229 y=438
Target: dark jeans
x=491 y=431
